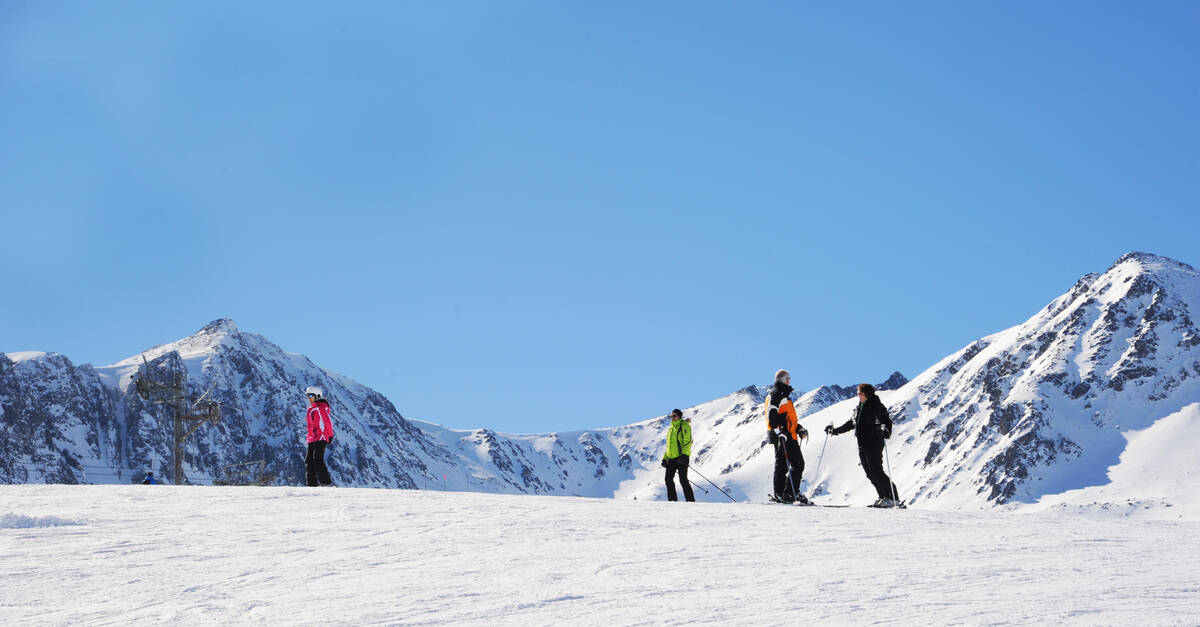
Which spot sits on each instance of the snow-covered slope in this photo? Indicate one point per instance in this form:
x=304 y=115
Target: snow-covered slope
x=1155 y=477
x=121 y=555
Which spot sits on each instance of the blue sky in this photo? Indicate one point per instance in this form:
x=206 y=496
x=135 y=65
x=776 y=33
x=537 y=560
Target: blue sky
x=546 y=215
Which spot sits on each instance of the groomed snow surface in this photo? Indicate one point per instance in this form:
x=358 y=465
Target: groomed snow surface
x=116 y=555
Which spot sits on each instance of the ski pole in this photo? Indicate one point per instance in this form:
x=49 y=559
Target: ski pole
x=817 y=474
x=712 y=484
x=689 y=482
x=888 y=459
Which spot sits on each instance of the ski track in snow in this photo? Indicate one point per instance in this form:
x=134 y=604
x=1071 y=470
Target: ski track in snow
x=188 y=555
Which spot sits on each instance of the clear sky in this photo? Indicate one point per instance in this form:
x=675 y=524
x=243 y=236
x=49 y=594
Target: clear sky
x=542 y=216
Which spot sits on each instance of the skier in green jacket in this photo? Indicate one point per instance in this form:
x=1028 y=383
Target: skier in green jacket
x=679 y=448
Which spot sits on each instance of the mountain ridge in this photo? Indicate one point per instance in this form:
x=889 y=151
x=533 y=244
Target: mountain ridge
x=1037 y=409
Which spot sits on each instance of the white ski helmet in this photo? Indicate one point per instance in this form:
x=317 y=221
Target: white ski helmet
x=314 y=390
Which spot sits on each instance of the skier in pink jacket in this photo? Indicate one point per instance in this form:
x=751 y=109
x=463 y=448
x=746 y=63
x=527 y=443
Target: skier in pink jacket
x=320 y=434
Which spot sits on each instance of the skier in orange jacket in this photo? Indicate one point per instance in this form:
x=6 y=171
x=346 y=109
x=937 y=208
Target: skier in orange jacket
x=784 y=432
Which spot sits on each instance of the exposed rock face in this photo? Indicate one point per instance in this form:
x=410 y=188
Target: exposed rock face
x=56 y=417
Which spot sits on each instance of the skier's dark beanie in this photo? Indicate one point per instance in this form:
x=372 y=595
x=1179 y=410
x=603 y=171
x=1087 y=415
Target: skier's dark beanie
x=867 y=389
x=676 y=412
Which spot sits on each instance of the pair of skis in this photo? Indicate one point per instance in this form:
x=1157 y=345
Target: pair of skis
x=771 y=498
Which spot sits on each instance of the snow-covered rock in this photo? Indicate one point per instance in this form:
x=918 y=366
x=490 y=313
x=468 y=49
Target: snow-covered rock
x=59 y=423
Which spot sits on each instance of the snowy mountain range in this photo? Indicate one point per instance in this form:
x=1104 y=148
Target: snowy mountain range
x=68 y=424
x=1051 y=412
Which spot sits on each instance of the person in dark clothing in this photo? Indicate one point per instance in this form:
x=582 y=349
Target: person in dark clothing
x=679 y=451
x=784 y=432
x=149 y=480
x=871 y=426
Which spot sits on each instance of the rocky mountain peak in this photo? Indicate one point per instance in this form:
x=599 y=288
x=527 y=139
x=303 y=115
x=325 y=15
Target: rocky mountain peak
x=221 y=326
x=894 y=382
x=196 y=347
x=1149 y=262
x=217 y=333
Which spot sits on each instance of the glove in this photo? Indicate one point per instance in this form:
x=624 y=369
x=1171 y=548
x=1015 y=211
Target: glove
x=885 y=431
x=664 y=463
x=773 y=437
x=782 y=434
x=803 y=433
x=829 y=429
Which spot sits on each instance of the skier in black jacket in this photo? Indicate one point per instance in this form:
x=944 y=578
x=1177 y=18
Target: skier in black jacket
x=871 y=426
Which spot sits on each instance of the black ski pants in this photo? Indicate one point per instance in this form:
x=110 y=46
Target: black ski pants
x=314 y=464
x=680 y=465
x=870 y=454
x=788 y=454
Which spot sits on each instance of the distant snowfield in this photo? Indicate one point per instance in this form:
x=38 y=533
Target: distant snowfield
x=115 y=555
